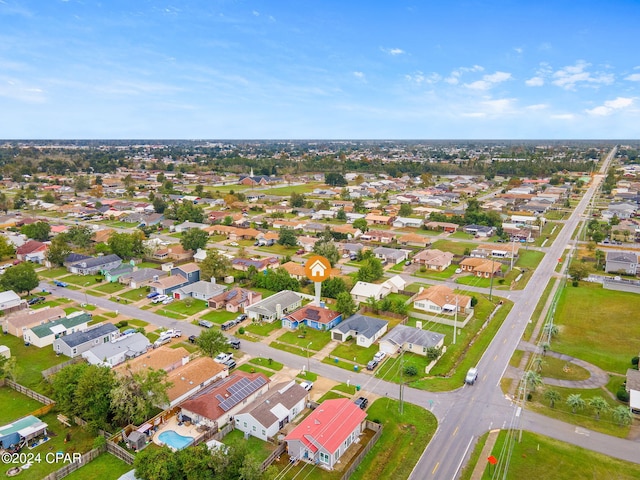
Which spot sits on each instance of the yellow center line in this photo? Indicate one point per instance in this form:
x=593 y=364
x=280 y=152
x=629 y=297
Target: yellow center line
x=433 y=472
x=455 y=432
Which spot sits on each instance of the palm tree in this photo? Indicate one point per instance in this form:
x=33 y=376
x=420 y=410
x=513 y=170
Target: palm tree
x=538 y=363
x=553 y=396
x=622 y=415
x=532 y=380
x=550 y=330
x=599 y=405
x=576 y=402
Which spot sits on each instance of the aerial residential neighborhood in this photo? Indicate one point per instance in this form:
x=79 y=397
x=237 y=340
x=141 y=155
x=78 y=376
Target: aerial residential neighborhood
x=202 y=338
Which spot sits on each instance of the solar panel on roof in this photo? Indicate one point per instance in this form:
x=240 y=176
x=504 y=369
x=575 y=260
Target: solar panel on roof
x=246 y=390
x=232 y=294
x=312 y=314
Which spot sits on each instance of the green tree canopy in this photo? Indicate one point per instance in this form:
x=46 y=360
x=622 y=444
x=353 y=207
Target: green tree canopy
x=361 y=224
x=370 y=271
x=194 y=238
x=287 y=237
x=37 y=231
x=6 y=248
x=331 y=287
x=214 y=265
x=211 y=342
x=20 y=278
x=126 y=245
x=297 y=200
x=328 y=250
x=345 y=304
x=335 y=179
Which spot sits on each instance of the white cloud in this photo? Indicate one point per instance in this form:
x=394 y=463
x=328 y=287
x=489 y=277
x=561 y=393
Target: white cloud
x=537 y=106
x=393 y=51
x=611 y=106
x=518 y=49
x=255 y=13
x=420 y=78
x=634 y=77
x=563 y=116
x=573 y=75
x=489 y=81
x=359 y=75
x=454 y=76
x=534 y=82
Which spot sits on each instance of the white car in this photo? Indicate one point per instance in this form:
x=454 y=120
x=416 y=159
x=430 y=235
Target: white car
x=167 y=301
x=472 y=376
x=379 y=356
x=458 y=270
x=234 y=244
x=159 y=298
x=307 y=386
x=223 y=357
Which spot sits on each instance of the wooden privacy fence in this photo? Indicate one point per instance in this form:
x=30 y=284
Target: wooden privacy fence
x=72 y=467
x=358 y=459
x=56 y=368
x=27 y=391
x=119 y=452
x=275 y=454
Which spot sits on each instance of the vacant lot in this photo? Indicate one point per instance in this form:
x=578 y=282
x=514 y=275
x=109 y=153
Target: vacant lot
x=595 y=325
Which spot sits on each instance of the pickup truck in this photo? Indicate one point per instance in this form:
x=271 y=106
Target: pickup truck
x=223 y=357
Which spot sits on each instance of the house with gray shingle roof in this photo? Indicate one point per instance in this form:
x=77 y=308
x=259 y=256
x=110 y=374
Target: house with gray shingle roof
x=621 y=262
x=79 y=342
x=274 y=307
x=366 y=330
x=93 y=265
x=201 y=290
x=270 y=413
x=409 y=339
x=118 y=350
x=142 y=276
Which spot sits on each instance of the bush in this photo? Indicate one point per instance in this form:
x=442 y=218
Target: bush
x=241 y=331
x=575 y=283
x=122 y=323
x=634 y=361
x=99 y=442
x=623 y=395
x=410 y=370
x=474 y=301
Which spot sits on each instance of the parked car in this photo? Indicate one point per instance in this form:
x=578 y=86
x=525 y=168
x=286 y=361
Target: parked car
x=472 y=376
x=228 y=325
x=193 y=338
x=300 y=251
x=159 y=298
x=361 y=402
x=223 y=357
x=379 y=356
x=58 y=283
x=458 y=270
x=129 y=331
x=205 y=323
x=35 y=300
x=241 y=318
x=230 y=363
x=372 y=364
x=234 y=244
x=307 y=386
x=153 y=295
x=234 y=343
x=167 y=301
x=407 y=263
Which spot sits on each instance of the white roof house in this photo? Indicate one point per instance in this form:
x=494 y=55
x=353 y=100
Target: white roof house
x=362 y=291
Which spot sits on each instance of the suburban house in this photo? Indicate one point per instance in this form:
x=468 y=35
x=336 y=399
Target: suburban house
x=10 y=301
x=18 y=322
x=633 y=387
x=444 y=226
x=184 y=226
x=236 y=299
x=380 y=236
x=362 y=291
x=373 y=219
x=141 y=277
x=201 y=290
x=440 y=299
x=407 y=222
x=365 y=330
x=93 y=265
x=409 y=339
x=259 y=264
x=114 y=274
x=274 y=307
x=296 y=270
x=481 y=267
x=47 y=333
x=117 y=351
x=173 y=252
x=192 y=377
x=32 y=251
x=162 y=358
x=79 y=342
x=621 y=262
x=312 y=316
x=391 y=255
x=218 y=403
x=325 y=435
x=496 y=250
x=434 y=259
x=479 y=230
x=265 y=417
x=167 y=285
x=414 y=240
x=190 y=271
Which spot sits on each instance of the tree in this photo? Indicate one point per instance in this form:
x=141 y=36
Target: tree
x=361 y=224
x=6 y=249
x=335 y=179
x=135 y=395
x=20 y=278
x=328 y=250
x=211 y=342
x=158 y=464
x=296 y=200
x=4 y=202
x=333 y=286
x=552 y=396
x=39 y=231
x=215 y=265
x=81 y=183
x=92 y=401
x=341 y=215
x=345 y=304
x=194 y=238
x=410 y=371
x=578 y=270
x=576 y=402
x=126 y=245
x=287 y=237
x=370 y=271
x=405 y=210
x=532 y=380
x=622 y=415
x=79 y=235
x=599 y=405
x=48 y=197
x=276 y=280
x=58 y=250
x=538 y=363
x=434 y=353
x=159 y=205
x=18 y=201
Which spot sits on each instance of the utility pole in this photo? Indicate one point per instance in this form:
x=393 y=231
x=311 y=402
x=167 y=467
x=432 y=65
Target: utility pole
x=401 y=382
x=491 y=281
x=308 y=365
x=455 y=321
x=513 y=248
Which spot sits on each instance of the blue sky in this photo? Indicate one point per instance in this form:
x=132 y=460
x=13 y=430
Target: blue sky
x=301 y=69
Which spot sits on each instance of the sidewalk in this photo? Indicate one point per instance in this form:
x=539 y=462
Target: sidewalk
x=478 y=470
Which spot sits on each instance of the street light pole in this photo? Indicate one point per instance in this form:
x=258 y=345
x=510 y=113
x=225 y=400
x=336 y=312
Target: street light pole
x=308 y=364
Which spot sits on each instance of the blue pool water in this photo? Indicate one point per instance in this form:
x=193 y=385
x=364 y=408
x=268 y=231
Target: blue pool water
x=175 y=440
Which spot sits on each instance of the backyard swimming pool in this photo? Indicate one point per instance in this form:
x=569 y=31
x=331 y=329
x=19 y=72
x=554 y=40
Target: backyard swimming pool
x=174 y=440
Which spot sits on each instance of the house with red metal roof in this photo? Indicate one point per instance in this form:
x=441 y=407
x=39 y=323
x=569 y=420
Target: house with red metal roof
x=326 y=434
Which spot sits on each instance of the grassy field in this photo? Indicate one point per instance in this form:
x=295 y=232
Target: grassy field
x=556 y=368
x=594 y=326
x=352 y=352
x=456 y=248
x=134 y=295
x=262 y=329
x=402 y=441
x=219 y=316
x=105 y=467
x=249 y=368
x=257 y=447
x=542 y=457
x=111 y=287
x=287 y=191
x=314 y=340
x=180 y=306
x=15 y=405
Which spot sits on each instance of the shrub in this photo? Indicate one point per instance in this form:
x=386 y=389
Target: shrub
x=575 y=283
x=241 y=331
x=99 y=442
x=474 y=301
x=622 y=395
x=634 y=361
x=122 y=323
x=410 y=370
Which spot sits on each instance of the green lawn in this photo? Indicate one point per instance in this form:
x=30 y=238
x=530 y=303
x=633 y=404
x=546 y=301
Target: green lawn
x=529 y=259
x=456 y=248
x=462 y=235
x=443 y=275
x=105 y=467
x=219 y=316
x=169 y=314
x=257 y=447
x=267 y=362
x=352 y=352
x=402 y=442
x=135 y=294
x=15 y=405
x=111 y=287
x=265 y=293
x=307 y=375
x=81 y=280
x=330 y=396
x=53 y=273
x=542 y=457
x=556 y=368
x=246 y=367
x=180 y=306
x=262 y=329
x=343 y=387
x=287 y=191
x=314 y=340
x=278 y=250
x=594 y=326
